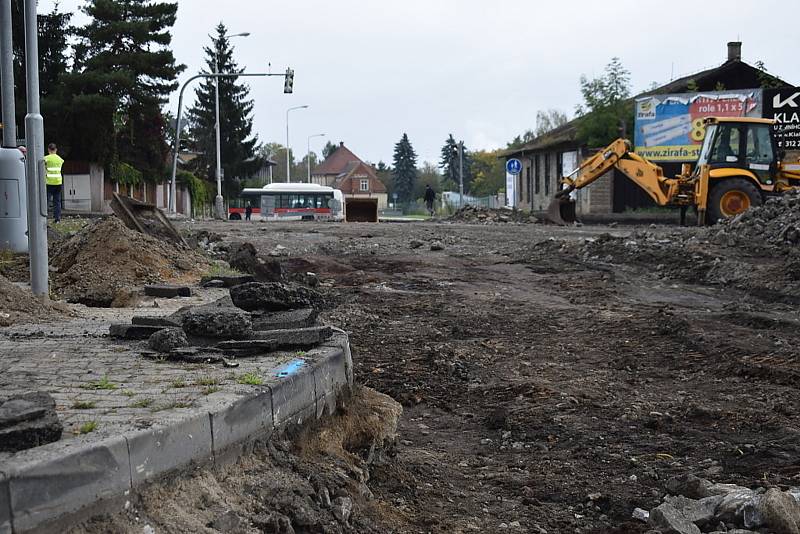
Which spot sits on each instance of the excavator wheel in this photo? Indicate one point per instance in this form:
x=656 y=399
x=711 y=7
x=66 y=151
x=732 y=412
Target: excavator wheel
x=561 y=211
x=731 y=197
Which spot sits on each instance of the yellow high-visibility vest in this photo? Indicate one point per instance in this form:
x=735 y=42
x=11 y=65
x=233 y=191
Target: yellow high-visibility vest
x=53 y=163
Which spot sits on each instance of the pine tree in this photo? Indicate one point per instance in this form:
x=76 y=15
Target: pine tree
x=450 y=165
x=405 y=169
x=328 y=149
x=238 y=146
x=123 y=74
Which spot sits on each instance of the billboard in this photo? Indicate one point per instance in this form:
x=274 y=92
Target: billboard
x=670 y=127
x=783 y=105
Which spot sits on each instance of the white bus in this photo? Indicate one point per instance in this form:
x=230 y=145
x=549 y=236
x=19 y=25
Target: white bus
x=298 y=201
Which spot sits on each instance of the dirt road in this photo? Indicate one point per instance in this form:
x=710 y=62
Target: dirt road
x=550 y=383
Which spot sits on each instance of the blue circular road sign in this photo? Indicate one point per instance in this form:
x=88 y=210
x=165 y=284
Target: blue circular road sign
x=513 y=166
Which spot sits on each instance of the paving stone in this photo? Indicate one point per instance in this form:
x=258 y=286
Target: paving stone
x=273 y=296
x=248 y=346
x=669 y=520
x=162 y=449
x=167 y=291
x=227 y=280
x=282 y=320
x=143 y=320
x=225 y=323
x=64 y=477
x=28 y=420
x=167 y=340
x=132 y=331
x=299 y=337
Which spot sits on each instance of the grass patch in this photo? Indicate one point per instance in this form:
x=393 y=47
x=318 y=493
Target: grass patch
x=251 y=379
x=170 y=406
x=207 y=381
x=142 y=403
x=211 y=389
x=222 y=270
x=89 y=426
x=65 y=226
x=103 y=383
x=83 y=405
x=128 y=392
x=179 y=383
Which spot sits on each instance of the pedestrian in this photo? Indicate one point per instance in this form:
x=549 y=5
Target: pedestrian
x=430 y=196
x=248 y=211
x=54 y=180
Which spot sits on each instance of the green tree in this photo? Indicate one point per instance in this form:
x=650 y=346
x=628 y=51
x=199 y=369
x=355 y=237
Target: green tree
x=384 y=173
x=55 y=31
x=488 y=171
x=123 y=73
x=238 y=145
x=405 y=169
x=427 y=174
x=328 y=149
x=277 y=153
x=607 y=112
x=549 y=120
x=521 y=140
x=450 y=165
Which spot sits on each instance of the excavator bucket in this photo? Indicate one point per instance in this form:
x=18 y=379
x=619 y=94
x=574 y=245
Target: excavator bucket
x=561 y=211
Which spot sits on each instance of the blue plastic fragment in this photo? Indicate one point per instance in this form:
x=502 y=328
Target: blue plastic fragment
x=290 y=368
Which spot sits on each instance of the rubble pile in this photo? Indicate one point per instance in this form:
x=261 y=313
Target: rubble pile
x=18 y=305
x=776 y=224
x=480 y=215
x=103 y=263
x=257 y=318
x=695 y=505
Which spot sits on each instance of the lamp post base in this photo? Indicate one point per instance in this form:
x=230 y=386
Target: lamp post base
x=219 y=208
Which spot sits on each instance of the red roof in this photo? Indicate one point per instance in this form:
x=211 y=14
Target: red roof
x=337 y=162
x=350 y=182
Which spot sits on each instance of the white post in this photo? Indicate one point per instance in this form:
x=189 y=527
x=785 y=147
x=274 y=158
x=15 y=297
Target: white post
x=461 y=174
x=7 y=76
x=218 y=204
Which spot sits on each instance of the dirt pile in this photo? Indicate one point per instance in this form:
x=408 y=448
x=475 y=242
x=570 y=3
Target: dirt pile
x=18 y=305
x=316 y=482
x=776 y=224
x=480 y=215
x=105 y=262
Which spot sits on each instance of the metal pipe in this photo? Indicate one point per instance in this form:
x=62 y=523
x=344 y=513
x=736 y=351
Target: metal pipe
x=34 y=159
x=218 y=203
x=461 y=174
x=7 y=76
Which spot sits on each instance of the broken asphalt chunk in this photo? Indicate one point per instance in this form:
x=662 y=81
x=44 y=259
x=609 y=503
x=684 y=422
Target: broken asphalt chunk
x=132 y=331
x=167 y=291
x=273 y=296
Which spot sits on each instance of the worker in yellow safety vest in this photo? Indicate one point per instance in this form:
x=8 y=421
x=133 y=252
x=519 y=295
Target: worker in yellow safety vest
x=53 y=163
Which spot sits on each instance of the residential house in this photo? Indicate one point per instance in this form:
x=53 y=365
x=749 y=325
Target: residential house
x=356 y=179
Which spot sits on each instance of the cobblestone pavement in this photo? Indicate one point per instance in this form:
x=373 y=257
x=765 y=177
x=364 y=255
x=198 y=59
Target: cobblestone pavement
x=100 y=380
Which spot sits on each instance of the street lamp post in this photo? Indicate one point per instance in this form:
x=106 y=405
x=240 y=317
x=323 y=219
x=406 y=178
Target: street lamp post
x=173 y=186
x=308 y=153
x=288 y=161
x=218 y=201
x=460 y=150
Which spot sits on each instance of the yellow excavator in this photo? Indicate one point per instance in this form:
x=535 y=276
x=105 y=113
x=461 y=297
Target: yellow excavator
x=738 y=167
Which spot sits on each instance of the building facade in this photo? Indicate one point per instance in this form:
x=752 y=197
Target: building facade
x=356 y=179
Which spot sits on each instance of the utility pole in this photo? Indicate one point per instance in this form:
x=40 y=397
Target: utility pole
x=461 y=174
x=288 y=160
x=7 y=76
x=34 y=159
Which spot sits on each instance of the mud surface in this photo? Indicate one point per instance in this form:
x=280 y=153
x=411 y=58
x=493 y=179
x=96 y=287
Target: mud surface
x=553 y=379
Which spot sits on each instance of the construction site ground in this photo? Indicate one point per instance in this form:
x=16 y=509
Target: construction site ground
x=554 y=378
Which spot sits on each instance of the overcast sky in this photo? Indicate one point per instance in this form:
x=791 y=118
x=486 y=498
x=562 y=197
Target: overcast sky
x=480 y=69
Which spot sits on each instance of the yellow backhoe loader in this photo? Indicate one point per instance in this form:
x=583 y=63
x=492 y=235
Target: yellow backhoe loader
x=738 y=167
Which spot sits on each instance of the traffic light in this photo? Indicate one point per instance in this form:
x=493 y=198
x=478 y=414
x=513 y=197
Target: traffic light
x=288 y=83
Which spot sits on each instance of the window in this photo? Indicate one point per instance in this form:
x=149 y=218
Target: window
x=726 y=144
x=537 y=173
x=547 y=175
x=528 y=180
x=759 y=145
x=364 y=185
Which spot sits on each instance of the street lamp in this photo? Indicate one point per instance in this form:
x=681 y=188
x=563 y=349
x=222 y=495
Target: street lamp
x=288 y=162
x=218 y=202
x=308 y=153
x=460 y=150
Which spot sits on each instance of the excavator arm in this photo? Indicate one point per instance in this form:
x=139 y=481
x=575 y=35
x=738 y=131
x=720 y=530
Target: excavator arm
x=648 y=176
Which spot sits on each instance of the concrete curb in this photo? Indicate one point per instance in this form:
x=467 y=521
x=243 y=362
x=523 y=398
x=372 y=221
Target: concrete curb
x=64 y=482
